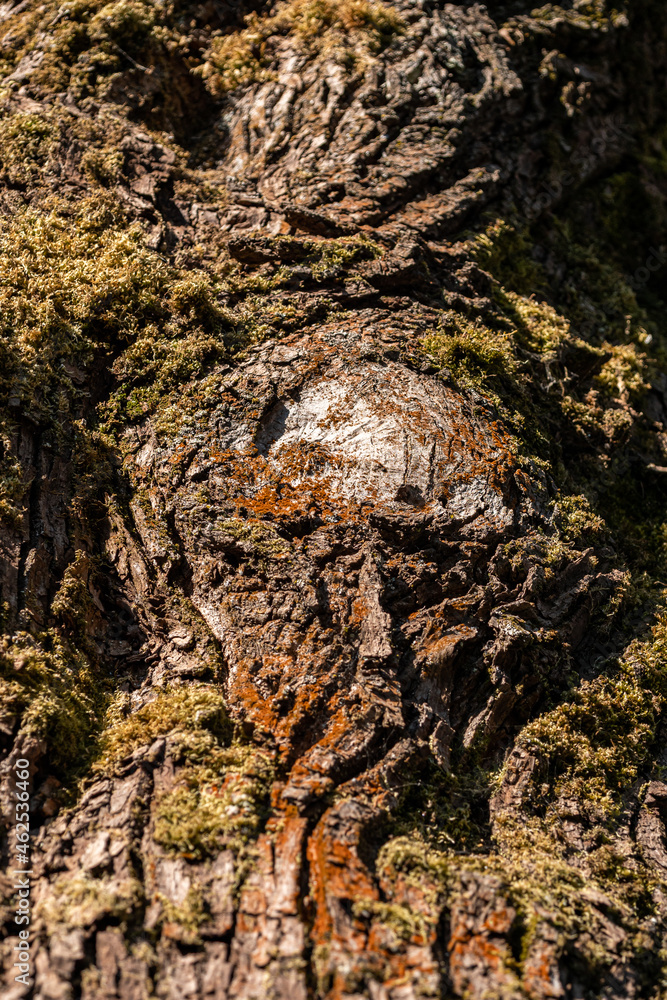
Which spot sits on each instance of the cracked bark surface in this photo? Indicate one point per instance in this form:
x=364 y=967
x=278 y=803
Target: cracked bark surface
x=325 y=583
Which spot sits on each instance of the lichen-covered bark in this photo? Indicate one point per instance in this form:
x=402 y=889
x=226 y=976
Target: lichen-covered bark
x=333 y=431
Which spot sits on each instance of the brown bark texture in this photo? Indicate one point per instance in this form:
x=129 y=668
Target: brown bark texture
x=332 y=527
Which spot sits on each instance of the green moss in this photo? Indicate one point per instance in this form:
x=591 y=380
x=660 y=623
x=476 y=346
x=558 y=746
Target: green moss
x=322 y=968
x=80 y=900
x=264 y=540
x=576 y=520
x=539 y=328
x=595 y=293
x=94 y=48
x=72 y=281
x=96 y=51
x=13 y=483
x=26 y=143
x=58 y=694
x=221 y=803
x=127 y=23
x=31 y=144
x=567 y=354
x=475 y=355
x=102 y=165
x=73 y=606
x=592 y=751
x=161 y=359
x=190 y=915
x=52 y=676
x=505 y=251
x=597 y=742
x=537 y=878
x=446 y=811
x=89 y=41
x=188 y=710
x=404 y=923
x=346 y=29
x=588 y=15
x=624 y=373
x=77 y=281
x=333 y=255
x=324 y=261
x=163 y=369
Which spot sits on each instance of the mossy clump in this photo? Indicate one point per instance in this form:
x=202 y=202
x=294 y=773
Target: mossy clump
x=189 y=915
x=89 y=42
x=33 y=144
x=588 y=757
x=53 y=681
x=587 y=15
x=445 y=810
x=567 y=352
x=475 y=355
x=599 y=740
x=219 y=804
x=57 y=693
x=539 y=879
x=13 y=482
x=575 y=527
x=263 y=538
x=193 y=709
x=335 y=255
x=163 y=372
x=577 y=521
x=405 y=923
x=163 y=369
x=73 y=281
x=73 y=606
x=535 y=875
x=26 y=143
x=78 y=283
x=505 y=251
x=33 y=148
x=348 y=30
x=325 y=259
x=164 y=357
x=102 y=165
x=617 y=372
x=79 y=900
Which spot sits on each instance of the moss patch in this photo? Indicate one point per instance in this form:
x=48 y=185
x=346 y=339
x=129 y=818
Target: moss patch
x=219 y=804
x=592 y=752
x=52 y=679
x=95 y=51
x=72 y=282
x=192 y=709
x=347 y=30
x=190 y=915
x=80 y=900
x=599 y=740
x=57 y=694
x=26 y=142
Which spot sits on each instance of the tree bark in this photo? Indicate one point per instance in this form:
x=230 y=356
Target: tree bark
x=334 y=469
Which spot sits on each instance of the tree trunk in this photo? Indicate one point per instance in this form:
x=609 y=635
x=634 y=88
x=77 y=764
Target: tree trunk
x=334 y=421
